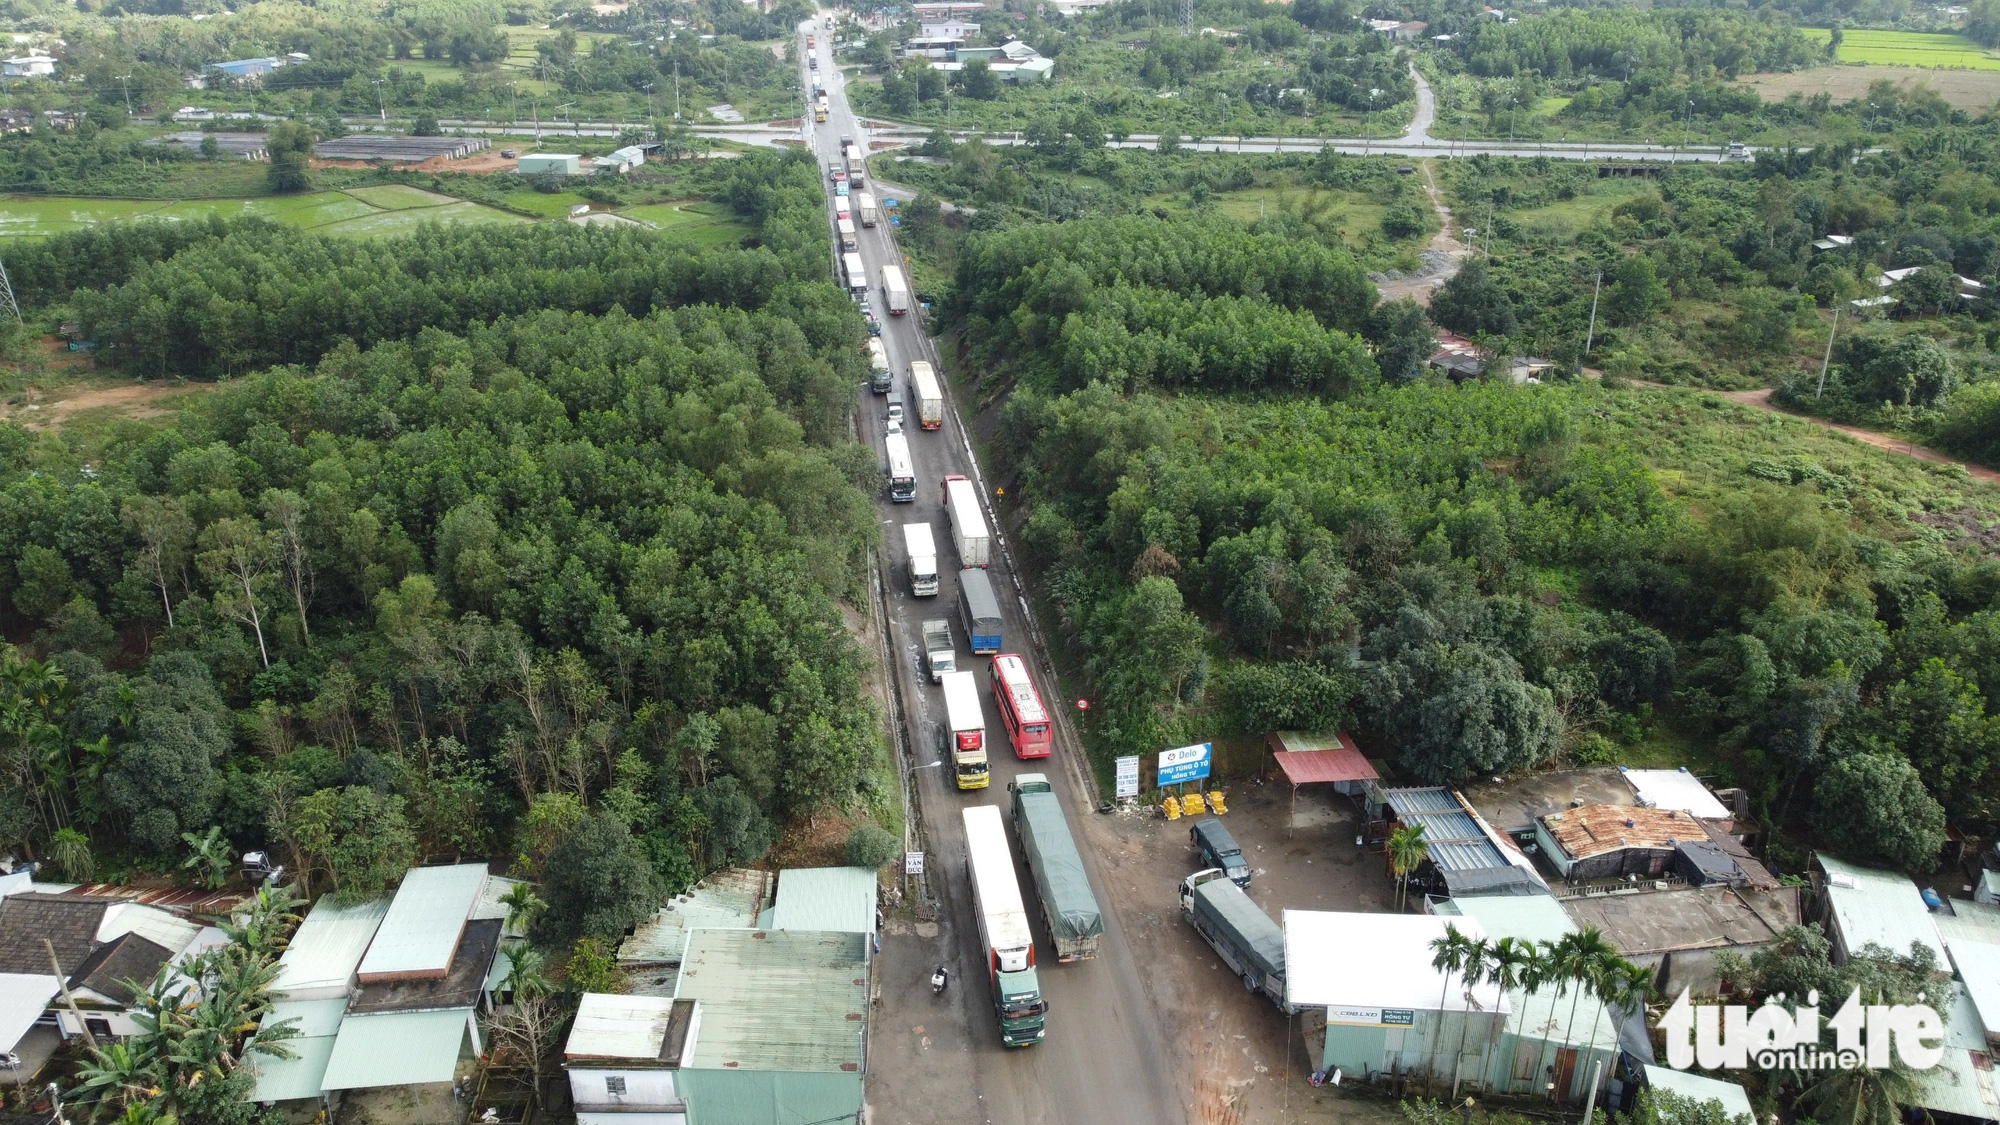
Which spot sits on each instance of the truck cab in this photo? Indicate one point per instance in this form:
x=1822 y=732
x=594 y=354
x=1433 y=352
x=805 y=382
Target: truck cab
x=1217 y=848
x=940 y=653
x=1017 y=998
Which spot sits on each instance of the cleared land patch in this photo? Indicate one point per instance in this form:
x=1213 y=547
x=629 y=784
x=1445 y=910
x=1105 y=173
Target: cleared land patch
x=1962 y=89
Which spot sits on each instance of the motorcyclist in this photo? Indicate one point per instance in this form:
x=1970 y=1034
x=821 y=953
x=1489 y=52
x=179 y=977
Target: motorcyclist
x=939 y=979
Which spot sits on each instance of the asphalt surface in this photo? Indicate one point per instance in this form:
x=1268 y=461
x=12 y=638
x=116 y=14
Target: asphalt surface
x=932 y=1058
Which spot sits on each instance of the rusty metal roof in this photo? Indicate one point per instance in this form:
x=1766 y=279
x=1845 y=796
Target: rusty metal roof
x=1600 y=829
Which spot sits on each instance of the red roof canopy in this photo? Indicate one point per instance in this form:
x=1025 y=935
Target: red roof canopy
x=1346 y=763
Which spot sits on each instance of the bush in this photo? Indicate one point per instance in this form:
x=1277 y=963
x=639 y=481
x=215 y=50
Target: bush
x=870 y=845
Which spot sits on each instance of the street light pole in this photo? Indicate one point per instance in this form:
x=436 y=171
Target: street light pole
x=1827 y=360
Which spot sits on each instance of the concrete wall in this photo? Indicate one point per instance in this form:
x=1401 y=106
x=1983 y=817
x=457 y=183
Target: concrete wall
x=648 y=1088
x=1427 y=1044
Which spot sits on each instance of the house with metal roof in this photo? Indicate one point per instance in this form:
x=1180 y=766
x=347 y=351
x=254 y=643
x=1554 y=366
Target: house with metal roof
x=730 y=899
x=325 y=952
x=623 y=1054
x=1971 y=935
x=298 y=1078
x=1866 y=906
x=784 y=1021
x=1466 y=855
x=1610 y=841
x=831 y=899
x=1549 y=1035
x=101 y=943
x=1964 y=1084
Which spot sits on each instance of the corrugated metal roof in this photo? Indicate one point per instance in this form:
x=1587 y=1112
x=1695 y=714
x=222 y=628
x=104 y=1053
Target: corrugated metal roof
x=328 y=946
x=424 y=921
x=1523 y=917
x=315 y=1017
x=396 y=1049
x=23 y=999
x=179 y=900
x=1959 y=1084
x=156 y=926
x=1376 y=961
x=1733 y=1099
x=728 y=899
x=1978 y=965
x=1595 y=830
x=838 y=899
x=1881 y=907
x=293 y=1079
x=777 y=1000
x=1969 y=921
x=620 y=1027
x=1337 y=763
x=1564 y=1018
x=1675 y=789
x=1454 y=838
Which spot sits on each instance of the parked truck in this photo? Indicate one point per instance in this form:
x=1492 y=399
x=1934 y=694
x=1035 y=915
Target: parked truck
x=879 y=379
x=857 y=167
x=895 y=292
x=1244 y=937
x=963 y=737
x=940 y=655
x=866 y=202
x=979 y=611
x=1067 y=902
x=857 y=274
x=968 y=526
x=930 y=396
x=845 y=228
x=1007 y=945
x=922 y=550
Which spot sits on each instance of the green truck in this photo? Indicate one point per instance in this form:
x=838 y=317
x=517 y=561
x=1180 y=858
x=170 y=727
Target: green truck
x=1007 y=945
x=1067 y=902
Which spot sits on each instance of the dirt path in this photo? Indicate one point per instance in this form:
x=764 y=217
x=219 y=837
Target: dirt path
x=1761 y=400
x=1442 y=255
x=132 y=400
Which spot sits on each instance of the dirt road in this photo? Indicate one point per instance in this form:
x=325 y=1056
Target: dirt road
x=1761 y=400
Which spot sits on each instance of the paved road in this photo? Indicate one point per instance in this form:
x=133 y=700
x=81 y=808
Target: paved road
x=1419 y=131
x=931 y=1059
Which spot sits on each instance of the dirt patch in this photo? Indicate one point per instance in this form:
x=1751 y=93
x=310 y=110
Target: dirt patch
x=1441 y=256
x=1243 y=1060
x=1963 y=89
x=47 y=410
x=1761 y=400
x=1965 y=526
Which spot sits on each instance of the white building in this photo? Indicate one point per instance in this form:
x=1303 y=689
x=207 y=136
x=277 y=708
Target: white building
x=34 y=65
x=622 y=1056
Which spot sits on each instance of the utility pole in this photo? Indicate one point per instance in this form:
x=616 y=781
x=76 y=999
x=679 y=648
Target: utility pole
x=677 y=89
x=1827 y=360
x=383 y=97
x=1187 y=17
x=69 y=1000
x=124 y=83
x=1591 y=334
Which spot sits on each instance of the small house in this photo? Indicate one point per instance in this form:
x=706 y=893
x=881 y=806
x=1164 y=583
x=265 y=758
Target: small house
x=551 y=164
x=1611 y=841
x=623 y=1054
x=1866 y=906
x=619 y=161
x=246 y=70
x=34 y=65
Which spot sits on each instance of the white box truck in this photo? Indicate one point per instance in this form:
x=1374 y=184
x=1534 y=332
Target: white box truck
x=857 y=274
x=866 y=202
x=963 y=738
x=940 y=655
x=878 y=366
x=895 y=293
x=922 y=549
x=930 y=397
x=857 y=168
x=847 y=234
x=968 y=524
x=1007 y=943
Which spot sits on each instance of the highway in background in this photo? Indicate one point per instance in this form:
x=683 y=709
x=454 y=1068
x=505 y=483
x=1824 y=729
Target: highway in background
x=937 y=1059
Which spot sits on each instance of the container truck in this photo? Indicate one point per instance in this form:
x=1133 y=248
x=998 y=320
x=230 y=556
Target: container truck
x=968 y=526
x=930 y=397
x=902 y=477
x=922 y=549
x=1244 y=937
x=878 y=365
x=940 y=655
x=847 y=234
x=1067 y=902
x=857 y=274
x=866 y=201
x=1007 y=945
x=979 y=611
x=895 y=293
x=964 y=733
x=819 y=112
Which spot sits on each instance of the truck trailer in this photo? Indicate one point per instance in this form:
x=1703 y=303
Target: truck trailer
x=922 y=549
x=1007 y=945
x=968 y=525
x=895 y=292
x=964 y=733
x=979 y=611
x=1244 y=937
x=930 y=396
x=866 y=202
x=1074 y=920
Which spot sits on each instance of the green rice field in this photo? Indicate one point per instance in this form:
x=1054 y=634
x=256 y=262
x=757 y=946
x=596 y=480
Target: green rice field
x=705 y=224
x=382 y=209
x=1908 y=48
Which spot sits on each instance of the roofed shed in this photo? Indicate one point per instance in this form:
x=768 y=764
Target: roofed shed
x=1321 y=759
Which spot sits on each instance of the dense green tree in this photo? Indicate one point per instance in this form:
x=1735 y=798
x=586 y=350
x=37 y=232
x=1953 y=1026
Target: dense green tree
x=1875 y=806
x=289 y=147
x=597 y=883
x=1403 y=338
x=1472 y=303
x=869 y=845
x=360 y=838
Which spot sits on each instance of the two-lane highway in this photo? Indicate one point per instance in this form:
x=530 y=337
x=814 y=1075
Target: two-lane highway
x=936 y=1059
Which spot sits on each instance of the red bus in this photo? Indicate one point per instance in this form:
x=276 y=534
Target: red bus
x=1021 y=708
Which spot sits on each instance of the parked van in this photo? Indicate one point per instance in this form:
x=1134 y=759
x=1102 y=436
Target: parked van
x=1218 y=849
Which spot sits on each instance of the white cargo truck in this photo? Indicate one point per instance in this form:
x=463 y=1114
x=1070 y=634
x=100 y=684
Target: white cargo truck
x=930 y=397
x=922 y=549
x=940 y=654
x=968 y=524
x=847 y=233
x=895 y=293
x=867 y=205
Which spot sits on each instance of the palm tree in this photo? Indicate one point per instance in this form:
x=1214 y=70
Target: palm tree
x=1576 y=962
x=525 y=977
x=1861 y=1096
x=69 y=850
x=1407 y=852
x=1449 y=955
x=522 y=904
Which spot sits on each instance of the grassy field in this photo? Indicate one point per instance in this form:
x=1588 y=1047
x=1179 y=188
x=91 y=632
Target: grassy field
x=548 y=206
x=1908 y=48
x=1962 y=89
x=382 y=209
x=1565 y=218
x=704 y=224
